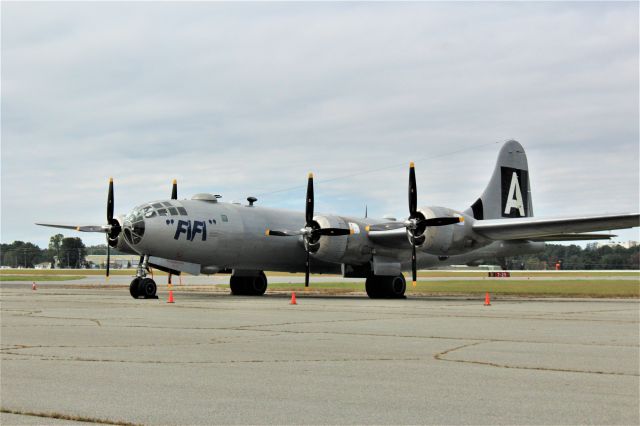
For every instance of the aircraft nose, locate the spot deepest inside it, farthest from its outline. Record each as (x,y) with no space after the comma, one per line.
(134,228)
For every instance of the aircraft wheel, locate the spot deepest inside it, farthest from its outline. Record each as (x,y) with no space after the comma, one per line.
(396,287)
(238,286)
(257,285)
(379,287)
(148,288)
(373,287)
(134,288)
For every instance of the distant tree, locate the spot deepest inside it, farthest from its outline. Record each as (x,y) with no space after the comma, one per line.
(73,253)
(21,254)
(55,243)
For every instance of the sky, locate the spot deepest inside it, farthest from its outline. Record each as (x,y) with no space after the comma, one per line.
(244,99)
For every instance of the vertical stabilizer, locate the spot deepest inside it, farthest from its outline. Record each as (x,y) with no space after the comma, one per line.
(508,193)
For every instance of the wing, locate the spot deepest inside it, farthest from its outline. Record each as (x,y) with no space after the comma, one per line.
(81,228)
(535,228)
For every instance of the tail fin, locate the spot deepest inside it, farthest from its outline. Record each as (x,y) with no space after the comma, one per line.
(508,193)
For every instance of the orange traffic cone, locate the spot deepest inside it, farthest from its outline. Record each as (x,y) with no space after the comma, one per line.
(33,286)
(293,298)
(487,300)
(170,297)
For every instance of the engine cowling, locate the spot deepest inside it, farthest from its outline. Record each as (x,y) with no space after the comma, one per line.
(445,240)
(330,249)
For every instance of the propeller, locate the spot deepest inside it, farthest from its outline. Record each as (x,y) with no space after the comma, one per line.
(416,224)
(112,229)
(311,231)
(174,196)
(174,190)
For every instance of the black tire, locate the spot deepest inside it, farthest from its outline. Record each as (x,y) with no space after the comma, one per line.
(238,286)
(383,287)
(134,288)
(257,285)
(372,286)
(397,287)
(248,286)
(147,288)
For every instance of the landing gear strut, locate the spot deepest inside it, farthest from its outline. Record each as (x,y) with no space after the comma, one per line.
(248,285)
(385,287)
(141,286)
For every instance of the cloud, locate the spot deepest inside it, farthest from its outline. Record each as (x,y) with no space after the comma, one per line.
(244,99)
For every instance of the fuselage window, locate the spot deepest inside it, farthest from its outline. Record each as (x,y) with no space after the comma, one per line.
(224,218)
(173,211)
(162,212)
(182,211)
(157,205)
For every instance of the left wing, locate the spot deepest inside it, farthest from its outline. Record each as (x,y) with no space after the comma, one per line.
(535,228)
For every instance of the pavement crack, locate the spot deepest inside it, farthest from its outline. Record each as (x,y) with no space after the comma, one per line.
(441,356)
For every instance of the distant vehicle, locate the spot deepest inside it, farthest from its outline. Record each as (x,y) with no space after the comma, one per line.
(204,235)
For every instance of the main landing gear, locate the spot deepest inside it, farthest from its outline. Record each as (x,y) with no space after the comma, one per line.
(141,286)
(386,287)
(254,285)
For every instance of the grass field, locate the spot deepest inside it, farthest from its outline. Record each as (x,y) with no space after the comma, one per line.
(39,277)
(569,288)
(586,284)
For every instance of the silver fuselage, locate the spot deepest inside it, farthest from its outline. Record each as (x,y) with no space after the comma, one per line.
(221,236)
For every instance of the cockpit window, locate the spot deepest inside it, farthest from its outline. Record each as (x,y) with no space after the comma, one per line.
(167,204)
(173,211)
(182,211)
(162,212)
(157,205)
(134,223)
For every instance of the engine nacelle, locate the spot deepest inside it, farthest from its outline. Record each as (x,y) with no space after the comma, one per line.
(330,249)
(449,239)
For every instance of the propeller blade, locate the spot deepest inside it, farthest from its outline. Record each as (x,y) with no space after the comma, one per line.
(108,257)
(387,226)
(174,190)
(414,272)
(110,202)
(441,221)
(437,221)
(413,192)
(274,233)
(81,228)
(332,231)
(308,213)
(307,269)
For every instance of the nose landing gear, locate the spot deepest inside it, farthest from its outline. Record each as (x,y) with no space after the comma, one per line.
(141,286)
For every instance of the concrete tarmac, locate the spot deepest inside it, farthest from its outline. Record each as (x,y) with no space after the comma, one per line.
(210,358)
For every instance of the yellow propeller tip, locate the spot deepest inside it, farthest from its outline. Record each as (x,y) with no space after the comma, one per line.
(414,283)
(174,181)
(77,228)
(461,219)
(366,228)
(110,180)
(266,232)
(310,175)
(411,165)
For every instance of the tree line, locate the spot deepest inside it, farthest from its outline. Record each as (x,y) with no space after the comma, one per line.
(62,252)
(70,252)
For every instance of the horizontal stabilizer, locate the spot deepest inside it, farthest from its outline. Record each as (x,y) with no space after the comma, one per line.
(530,227)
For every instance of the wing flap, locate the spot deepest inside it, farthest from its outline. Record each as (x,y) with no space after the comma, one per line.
(531,227)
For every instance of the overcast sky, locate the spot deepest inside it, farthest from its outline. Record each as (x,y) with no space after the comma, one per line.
(246,98)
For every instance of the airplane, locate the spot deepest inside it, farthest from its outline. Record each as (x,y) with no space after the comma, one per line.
(206,236)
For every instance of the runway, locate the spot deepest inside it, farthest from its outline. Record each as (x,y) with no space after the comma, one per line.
(96,353)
